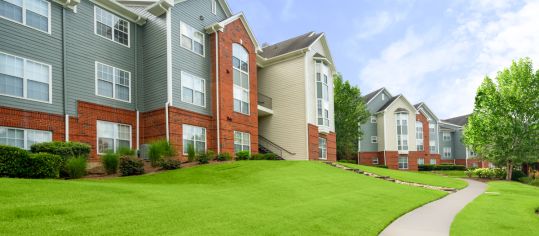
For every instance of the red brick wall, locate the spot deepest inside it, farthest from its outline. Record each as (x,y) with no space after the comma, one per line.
(17,118)
(179,117)
(426,134)
(392,159)
(152,126)
(313,141)
(365,158)
(331,146)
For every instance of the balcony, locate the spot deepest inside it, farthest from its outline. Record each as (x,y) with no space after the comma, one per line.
(265,106)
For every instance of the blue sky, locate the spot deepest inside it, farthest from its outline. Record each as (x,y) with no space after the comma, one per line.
(437,52)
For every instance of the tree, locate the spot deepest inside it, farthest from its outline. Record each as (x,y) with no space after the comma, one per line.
(504,125)
(350,111)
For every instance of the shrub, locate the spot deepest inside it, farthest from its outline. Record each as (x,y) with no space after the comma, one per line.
(489,173)
(13,161)
(159,150)
(517,174)
(352,161)
(76,167)
(225,156)
(63,149)
(131,166)
(43,165)
(211,155)
(535,182)
(243,155)
(469,173)
(381,166)
(441,167)
(110,162)
(170,163)
(203,158)
(125,151)
(191,154)
(525,180)
(272,156)
(258,156)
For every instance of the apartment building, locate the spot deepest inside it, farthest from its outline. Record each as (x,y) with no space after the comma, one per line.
(452,147)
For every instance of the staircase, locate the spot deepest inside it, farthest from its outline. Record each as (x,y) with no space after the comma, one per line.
(267,146)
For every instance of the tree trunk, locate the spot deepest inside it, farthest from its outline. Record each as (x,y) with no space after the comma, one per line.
(509,170)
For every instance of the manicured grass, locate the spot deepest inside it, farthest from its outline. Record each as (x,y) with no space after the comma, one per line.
(411,176)
(448,173)
(237,198)
(507,208)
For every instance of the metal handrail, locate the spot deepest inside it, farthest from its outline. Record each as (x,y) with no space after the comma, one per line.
(265,101)
(260,137)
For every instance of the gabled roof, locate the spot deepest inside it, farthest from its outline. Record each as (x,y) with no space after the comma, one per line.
(290,45)
(424,108)
(367,98)
(219,26)
(392,100)
(389,102)
(154,5)
(459,120)
(122,10)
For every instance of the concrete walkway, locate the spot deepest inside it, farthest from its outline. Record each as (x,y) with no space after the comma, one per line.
(435,218)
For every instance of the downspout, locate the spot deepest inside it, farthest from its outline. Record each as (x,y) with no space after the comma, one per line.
(136,87)
(385,138)
(217,90)
(64,73)
(169,73)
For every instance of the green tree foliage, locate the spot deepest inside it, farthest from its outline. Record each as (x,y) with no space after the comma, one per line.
(350,111)
(504,126)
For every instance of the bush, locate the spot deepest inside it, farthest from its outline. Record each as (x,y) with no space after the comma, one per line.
(203,158)
(170,163)
(191,154)
(159,150)
(125,151)
(258,156)
(76,167)
(351,161)
(13,161)
(18,163)
(131,166)
(225,156)
(44,165)
(517,174)
(211,155)
(490,173)
(469,173)
(381,166)
(243,155)
(535,182)
(441,167)
(110,162)
(66,150)
(525,180)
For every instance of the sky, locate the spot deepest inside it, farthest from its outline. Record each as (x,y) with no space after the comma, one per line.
(437,52)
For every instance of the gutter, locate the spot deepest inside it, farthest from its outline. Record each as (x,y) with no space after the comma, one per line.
(64,73)
(169,73)
(217,91)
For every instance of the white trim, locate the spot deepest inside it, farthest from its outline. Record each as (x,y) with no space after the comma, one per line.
(115,135)
(194,140)
(138,130)
(169,58)
(187,74)
(113,83)
(23,8)
(234,86)
(214,7)
(217,98)
(183,24)
(406,100)
(25,86)
(67,128)
(112,38)
(325,156)
(242,141)
(25,134)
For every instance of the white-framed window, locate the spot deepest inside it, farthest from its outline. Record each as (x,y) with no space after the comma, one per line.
(421,161)
(111,27)
(373,119)
(419,135)
(446,152)
(112,82)
(23,138)
(432,146)
(402,131)
(112,136)
(25,78)
(383,96)
(403,162)
(240,63)
(433,161)
(194,136)
(35,14)
(446,136)
(322,149)
(242,141)
(192,39)
(375,161)
(374,139)
(322,93)
(214,7)
(472,153)
(475,165)
(193,89)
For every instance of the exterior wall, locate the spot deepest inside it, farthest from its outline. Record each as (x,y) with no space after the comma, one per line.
(370,129)
(313,141)
(22,41)
(286,127)
(391,125)
(366,158)
(392,159)
(460,148)
(24,119)
(179,117)
(152,126)
(314,146)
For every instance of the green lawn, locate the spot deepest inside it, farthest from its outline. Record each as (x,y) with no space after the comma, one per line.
(237,198)
(508,208)
(411,176)
(448,173)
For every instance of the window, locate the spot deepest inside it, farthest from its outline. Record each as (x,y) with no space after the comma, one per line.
(419,135)
(191,39)
(474,165)
(110,26)
(194,136)
(193,90)
(403,162)
(322,149)
(242,141)
(446,152)
(112,136)
(402,131)
(472,153)
(433,161)
(23,138)
(432,146)
(383,97)
(112,82)
(240,62)
(373,119)
(375,161)
(322,94)
(214,7)
(421,161)
(32,13)
(446,136)
(433,136)
(23,78)
(374,139)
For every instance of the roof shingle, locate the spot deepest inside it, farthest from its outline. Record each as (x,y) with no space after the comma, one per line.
(459,120)
(290,45)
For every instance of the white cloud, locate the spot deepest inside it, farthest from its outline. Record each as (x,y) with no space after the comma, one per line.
(376,24)
(287,11)
(444,69)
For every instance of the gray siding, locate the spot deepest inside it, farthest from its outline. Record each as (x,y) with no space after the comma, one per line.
(444,144)
(190,13)
(23,41)
(369,129)
(83,49)
(460,148)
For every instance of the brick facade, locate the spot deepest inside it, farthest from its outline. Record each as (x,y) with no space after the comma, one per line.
(313,143)
(17,118)
(179,117)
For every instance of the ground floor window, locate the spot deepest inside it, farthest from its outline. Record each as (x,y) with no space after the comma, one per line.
(112,136)
(23,138)
(433,161)
(403,162)
(375,161)
(194,136)
(474,165)
(242,141)
(421,161)
(322,149)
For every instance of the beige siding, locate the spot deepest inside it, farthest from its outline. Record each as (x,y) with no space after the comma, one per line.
(284,83)
(380,130)
(391,125)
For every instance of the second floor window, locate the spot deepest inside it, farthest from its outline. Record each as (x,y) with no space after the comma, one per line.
(111,27)
(113,82)
(419,135)
(432,146)
(23,78)
(447,152)
(32,13)
(193,90)
(191,39)
(374,139)
(322,94)
(240,63)
(402,131)
(446,136)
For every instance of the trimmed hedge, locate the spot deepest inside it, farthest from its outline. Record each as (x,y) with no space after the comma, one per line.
(63,149)
(13,161)
(18,163)
(266,156)
(243,155)
(224,156)
(170,163)
(131,166)
(441,167)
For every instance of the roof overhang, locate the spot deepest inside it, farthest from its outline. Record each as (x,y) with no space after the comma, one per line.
(449,124)
(404,99)
(263,62)
(378,93)
(71,4)
(427,111)
(160,7)
(220,26)
(224,5)
(118,8)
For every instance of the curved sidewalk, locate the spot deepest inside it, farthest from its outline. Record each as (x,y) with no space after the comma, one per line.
(435,218)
